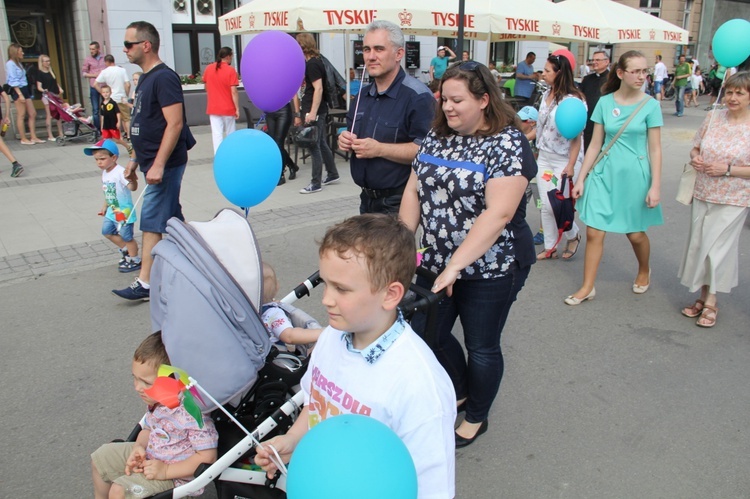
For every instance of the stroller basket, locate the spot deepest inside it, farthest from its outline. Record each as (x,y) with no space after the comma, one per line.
(70,128)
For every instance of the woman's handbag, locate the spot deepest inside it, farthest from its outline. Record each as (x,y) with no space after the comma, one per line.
(605,151)
(305,136)
(687,185)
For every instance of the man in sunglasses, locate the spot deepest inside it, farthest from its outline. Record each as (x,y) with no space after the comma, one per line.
(386,123)
(161,139)
(591,86)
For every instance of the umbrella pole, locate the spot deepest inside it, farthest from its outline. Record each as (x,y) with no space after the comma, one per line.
(346,70)
(461,10)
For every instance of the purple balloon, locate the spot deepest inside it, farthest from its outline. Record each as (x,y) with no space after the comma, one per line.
(272,69)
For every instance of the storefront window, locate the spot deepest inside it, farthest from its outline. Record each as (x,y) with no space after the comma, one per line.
(502,54)
(182,63)
(206,52)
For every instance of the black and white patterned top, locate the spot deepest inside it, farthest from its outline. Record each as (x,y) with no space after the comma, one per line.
(452,175)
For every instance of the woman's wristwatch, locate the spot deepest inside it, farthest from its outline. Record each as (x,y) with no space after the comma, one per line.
(729,170)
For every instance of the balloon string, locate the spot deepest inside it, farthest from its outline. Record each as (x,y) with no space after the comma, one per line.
(132,211)
(247,212)
(275,459)
(716,104)
(359,94)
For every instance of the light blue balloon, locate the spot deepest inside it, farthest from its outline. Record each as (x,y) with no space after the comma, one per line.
(570,118)
(350,456)
(731,43)
(247,167)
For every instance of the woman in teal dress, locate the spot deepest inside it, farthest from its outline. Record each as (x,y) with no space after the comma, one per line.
(621,193)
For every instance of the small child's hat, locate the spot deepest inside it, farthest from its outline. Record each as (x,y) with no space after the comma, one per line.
(106,144)
(528,113)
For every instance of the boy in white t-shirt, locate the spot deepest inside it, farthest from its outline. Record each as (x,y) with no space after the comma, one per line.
(277,322)
(118,203)
(369,361)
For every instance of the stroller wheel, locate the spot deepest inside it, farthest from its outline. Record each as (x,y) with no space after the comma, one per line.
(92,138)
(60,141)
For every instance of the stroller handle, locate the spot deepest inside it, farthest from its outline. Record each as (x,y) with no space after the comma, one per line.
(426,299)
(420,300)
(303,289)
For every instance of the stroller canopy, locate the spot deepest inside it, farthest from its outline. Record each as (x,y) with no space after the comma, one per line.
(206,282)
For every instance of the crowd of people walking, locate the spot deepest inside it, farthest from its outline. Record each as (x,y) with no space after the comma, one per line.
(455,171)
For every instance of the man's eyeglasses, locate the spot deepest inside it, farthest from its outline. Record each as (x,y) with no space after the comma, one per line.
(129,45)
(599,60)
(636,72)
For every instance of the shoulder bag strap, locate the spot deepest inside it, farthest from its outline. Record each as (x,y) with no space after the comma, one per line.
(605,151)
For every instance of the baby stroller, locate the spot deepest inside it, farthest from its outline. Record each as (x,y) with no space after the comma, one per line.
(75,124)
(206,278)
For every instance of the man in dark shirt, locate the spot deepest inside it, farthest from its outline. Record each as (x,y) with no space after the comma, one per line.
(591,86)
(161,140)
(393,115)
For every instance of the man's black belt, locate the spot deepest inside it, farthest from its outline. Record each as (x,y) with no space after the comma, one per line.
(383,193)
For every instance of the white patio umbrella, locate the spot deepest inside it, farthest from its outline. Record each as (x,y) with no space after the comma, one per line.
(486,20)
(618,23)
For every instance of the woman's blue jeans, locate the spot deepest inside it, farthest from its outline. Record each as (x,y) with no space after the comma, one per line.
(321,153)
(483,306)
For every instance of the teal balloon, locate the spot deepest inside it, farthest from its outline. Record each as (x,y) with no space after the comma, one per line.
(731,43)
(247,167)
(570,118)
(351,456)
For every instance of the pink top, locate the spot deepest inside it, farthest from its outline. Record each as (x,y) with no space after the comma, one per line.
(724,143)
(93,65)
(175,436)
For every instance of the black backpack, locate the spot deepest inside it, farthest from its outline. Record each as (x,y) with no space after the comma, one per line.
(334,86)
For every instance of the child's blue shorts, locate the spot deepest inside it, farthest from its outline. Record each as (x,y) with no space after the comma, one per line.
(110,228)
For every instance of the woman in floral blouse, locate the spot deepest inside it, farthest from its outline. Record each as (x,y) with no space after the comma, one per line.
(558,156)
(721,156)
(466,192)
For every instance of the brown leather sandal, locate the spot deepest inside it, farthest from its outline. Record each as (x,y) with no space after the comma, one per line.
(693,310)
(708,316)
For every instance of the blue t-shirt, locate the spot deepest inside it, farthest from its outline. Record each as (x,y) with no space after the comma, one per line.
(157,89)
(440,64)
(524,88)
(452,174)
(401,114)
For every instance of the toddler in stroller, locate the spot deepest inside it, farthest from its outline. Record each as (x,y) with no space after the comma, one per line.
(166,451)
(76,125)
(275,318)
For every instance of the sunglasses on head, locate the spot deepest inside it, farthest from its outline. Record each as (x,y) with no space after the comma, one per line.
(469,66)
(129,45)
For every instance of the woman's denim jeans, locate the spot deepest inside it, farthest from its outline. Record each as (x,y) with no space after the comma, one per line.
(483,306)
(321,153)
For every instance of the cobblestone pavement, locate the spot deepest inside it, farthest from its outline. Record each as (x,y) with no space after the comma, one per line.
(100,252)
